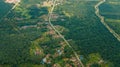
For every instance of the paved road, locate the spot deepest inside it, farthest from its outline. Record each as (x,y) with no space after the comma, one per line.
(77,57)
(97,12)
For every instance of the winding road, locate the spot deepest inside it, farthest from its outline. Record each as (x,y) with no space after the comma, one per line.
(49,17)
(97,12)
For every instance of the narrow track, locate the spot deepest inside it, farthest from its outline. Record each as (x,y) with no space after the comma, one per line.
(97,12)
(16,29)
(49,17)
(9,11)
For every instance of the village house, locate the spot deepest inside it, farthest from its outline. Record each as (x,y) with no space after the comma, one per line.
(37,51)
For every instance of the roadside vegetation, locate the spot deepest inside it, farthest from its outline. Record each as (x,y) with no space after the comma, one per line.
(27,39)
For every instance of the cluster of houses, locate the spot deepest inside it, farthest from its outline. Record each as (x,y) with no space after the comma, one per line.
(50,3)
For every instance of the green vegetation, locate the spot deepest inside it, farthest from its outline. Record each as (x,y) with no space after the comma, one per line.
(112,14)
(88,33)
(4,8)
(27,40)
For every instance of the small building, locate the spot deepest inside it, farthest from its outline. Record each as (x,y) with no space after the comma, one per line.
(37,51)
(59,52)
(44,60)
